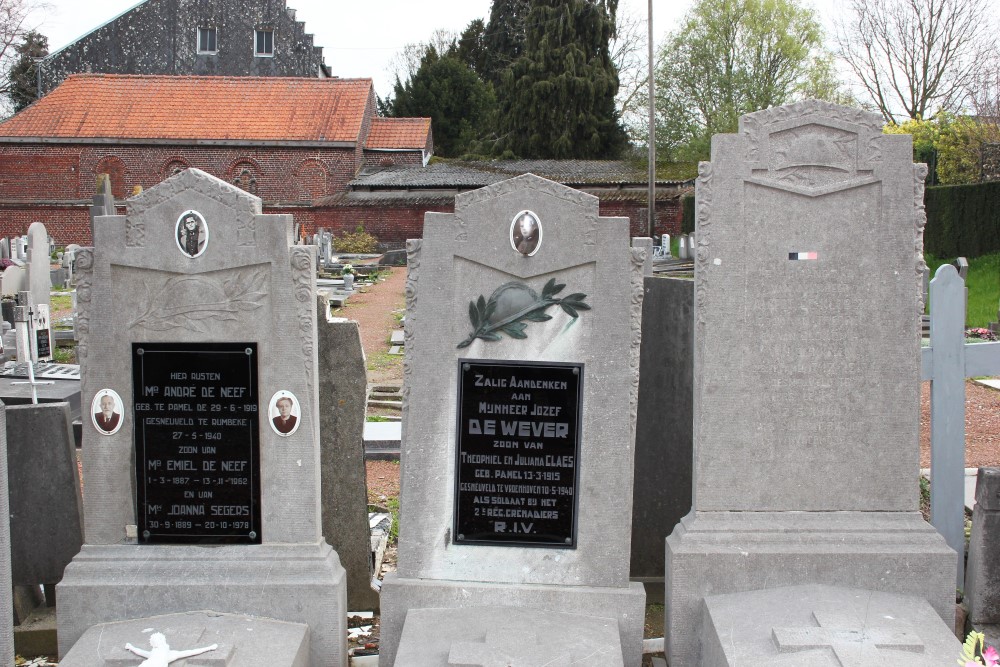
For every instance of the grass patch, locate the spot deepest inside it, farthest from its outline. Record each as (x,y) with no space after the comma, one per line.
(64,355)
(983,283)
(392,504)
(380,361)
(60,302)
(377,418)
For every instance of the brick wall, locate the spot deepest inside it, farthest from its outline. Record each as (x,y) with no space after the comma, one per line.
(668,216)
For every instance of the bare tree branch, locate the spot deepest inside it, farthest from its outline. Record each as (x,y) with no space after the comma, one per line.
(914,58)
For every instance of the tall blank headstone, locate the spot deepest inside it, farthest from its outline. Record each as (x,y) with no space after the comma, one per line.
(521,377)
(39,276)
(806,369)
(343,384)
(197,339)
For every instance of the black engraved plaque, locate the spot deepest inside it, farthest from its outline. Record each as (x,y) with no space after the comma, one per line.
(197,443)
(517,453)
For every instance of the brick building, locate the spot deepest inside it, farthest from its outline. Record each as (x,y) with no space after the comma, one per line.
(183,37)
(310,147)
(290,141)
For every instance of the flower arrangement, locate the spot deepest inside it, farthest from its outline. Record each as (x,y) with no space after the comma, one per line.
(975,652)
(347,269)
(980,332)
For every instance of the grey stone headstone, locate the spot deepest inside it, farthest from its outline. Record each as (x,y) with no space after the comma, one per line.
(393,258)
(12,281)
(476,248)
(4,248)
(46,508)
(21,248)
(343,482)
(663,438)
(242,640)
(806,368)
(139,285)
(982,580)
(6,585)
(39,276)
(824,625)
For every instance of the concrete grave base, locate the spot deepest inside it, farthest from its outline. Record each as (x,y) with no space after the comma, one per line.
(713,553)
(400,595)
(242,640)
(824,625)
(297,583)
(478,636)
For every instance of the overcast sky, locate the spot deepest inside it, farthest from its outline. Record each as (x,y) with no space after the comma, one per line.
(359,38)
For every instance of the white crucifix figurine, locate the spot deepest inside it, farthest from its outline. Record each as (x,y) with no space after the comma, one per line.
(161,654)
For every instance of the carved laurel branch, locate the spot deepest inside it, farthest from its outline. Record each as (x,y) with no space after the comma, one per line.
(919,220)
(412,274)
(242,292)
(638,285)
(84,270)
(302,272)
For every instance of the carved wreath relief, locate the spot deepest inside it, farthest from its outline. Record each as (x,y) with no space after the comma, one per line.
(191,233)
(513,305)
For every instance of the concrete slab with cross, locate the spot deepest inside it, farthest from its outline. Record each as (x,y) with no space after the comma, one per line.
(824,625)
(507,637)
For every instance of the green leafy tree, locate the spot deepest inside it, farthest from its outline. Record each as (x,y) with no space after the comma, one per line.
(558,97)
(458,103)
(23,75)
(504,37)
(729,58)
(950,145)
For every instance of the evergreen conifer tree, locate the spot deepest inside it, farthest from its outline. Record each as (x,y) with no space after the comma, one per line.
(557,100)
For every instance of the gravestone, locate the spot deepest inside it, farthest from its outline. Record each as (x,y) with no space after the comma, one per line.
(521,375)
(46,521)
(343,385)
(12,281)
(5,248)
(663,449)
(208,357)
(806,370)
(6,585)
(39,276)
(21,248)
(982,580)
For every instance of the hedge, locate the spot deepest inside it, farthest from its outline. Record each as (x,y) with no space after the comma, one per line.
(962,220)
(687,214)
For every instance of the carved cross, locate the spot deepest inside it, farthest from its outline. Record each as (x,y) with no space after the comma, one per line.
(851,641)
(506,647)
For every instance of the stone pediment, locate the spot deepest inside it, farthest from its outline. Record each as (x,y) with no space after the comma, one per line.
(193,180)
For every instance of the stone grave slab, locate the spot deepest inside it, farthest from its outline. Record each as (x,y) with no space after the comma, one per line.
(247,641)
(343,384)
(491,636)
(196,318)
(824,625)
(806,369)
(521,377)
(46,521)
(982,578)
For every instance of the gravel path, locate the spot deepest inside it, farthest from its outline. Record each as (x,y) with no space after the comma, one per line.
(373,310)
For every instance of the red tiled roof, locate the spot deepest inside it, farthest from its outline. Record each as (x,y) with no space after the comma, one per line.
(389,133)
(111,106)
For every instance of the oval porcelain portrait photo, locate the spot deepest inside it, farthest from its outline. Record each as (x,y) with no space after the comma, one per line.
(284,413)
(526,233)
(106,411)
(191,233)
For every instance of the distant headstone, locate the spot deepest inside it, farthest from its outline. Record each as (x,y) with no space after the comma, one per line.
(200,375)
(39,262)
(682,247)
(806,370)
(21,248)
(518,415)
(6,585)
(343,482)
(12,281)
(46,508)
(5,248)
(247,641)
(393,258)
